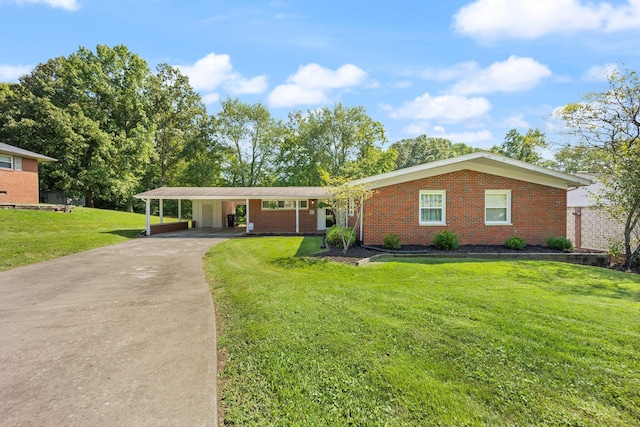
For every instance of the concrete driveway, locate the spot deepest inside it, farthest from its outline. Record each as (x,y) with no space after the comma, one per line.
(121,335)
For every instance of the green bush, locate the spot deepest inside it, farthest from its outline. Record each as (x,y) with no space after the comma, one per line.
(391,241)
(335,233)
(560,243)
(446,241)
(515,243)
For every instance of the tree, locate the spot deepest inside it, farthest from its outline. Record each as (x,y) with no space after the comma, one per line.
(422,149)
(609,122)
(177,112)
(576,158)
(523,147)
(251,137)
(89,111)
(334,142)
(346,201)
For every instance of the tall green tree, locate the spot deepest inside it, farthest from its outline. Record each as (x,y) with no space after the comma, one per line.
(177,114)
(576,158)
(88,110)
(251,137)
(523,147)
(609,122)
(332,142)
(421,149)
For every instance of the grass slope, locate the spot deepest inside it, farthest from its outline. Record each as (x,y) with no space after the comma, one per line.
(422,343)
(34,236)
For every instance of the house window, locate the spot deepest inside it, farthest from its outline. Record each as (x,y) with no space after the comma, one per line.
(283,204)
(432,207)
(6,162)
(497,207)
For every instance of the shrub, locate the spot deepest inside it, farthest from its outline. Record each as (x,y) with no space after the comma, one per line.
(335,233)
(560,243)
(391,241)
(515,243)
(446,241)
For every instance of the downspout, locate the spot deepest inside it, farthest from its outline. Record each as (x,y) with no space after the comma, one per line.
(148,215)
(361,219)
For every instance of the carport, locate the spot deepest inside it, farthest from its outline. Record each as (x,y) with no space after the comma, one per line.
(268,209)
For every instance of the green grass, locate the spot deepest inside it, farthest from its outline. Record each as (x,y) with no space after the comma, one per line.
(34,236)
(422,342)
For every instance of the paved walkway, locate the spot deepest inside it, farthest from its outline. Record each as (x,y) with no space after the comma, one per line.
(121,335)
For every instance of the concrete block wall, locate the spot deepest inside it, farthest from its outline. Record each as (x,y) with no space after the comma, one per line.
(537,211)
(20,186)
(592,228)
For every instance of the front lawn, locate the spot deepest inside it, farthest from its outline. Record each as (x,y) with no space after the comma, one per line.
(436,342)
(34,236)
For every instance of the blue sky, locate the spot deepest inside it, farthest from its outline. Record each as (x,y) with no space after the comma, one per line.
(465,70)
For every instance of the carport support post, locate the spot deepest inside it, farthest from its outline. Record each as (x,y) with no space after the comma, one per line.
(179,210)
(246,217)
(161,203)
(297,217)
(148,214)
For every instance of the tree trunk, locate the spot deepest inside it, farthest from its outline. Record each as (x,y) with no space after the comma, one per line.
(88,200)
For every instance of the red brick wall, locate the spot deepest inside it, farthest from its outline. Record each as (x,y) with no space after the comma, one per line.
(20,186)
(169,227)
(282,221)
(537,211)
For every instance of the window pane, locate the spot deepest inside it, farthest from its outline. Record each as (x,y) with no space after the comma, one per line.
(303,204)
(497,214)
(281,203)
(431,200)
(431,215)
(5,162)
(496,200)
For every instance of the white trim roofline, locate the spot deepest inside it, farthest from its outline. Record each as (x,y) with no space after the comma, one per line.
(479,161)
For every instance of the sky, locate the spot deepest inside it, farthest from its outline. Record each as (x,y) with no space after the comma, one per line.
(466,70)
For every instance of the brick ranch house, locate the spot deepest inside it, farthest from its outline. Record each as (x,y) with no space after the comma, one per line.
(19,175)
(483,197)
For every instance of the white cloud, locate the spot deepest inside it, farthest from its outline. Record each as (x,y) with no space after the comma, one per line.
(288,95)
(10,73)
(70,5)
(600,72)
(449,108)
(211,98)
(531,19)
(516,74)
(423,128)
(216,71)
(516,122)
(312,84)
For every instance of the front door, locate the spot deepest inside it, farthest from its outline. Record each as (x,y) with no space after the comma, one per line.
(322,219)
(207,216)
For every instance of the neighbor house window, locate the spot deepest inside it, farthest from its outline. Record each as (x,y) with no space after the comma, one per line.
(432,207)
(6,162)
(497,206)
(283,204)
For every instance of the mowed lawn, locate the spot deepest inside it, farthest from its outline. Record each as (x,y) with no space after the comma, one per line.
(437,342)
(34,236)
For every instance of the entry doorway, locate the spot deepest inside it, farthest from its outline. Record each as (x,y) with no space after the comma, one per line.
(325,219)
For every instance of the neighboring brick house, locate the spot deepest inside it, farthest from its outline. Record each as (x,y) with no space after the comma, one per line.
(483,197)
(19,174)
(590,226)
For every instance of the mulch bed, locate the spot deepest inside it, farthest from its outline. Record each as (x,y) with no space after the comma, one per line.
(356,253)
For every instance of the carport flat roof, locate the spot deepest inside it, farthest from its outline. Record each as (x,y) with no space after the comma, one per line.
(230,193)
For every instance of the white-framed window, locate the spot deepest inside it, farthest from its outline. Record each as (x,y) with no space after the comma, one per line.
(283,204)
(6,162)
(497,207)
(433,207)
